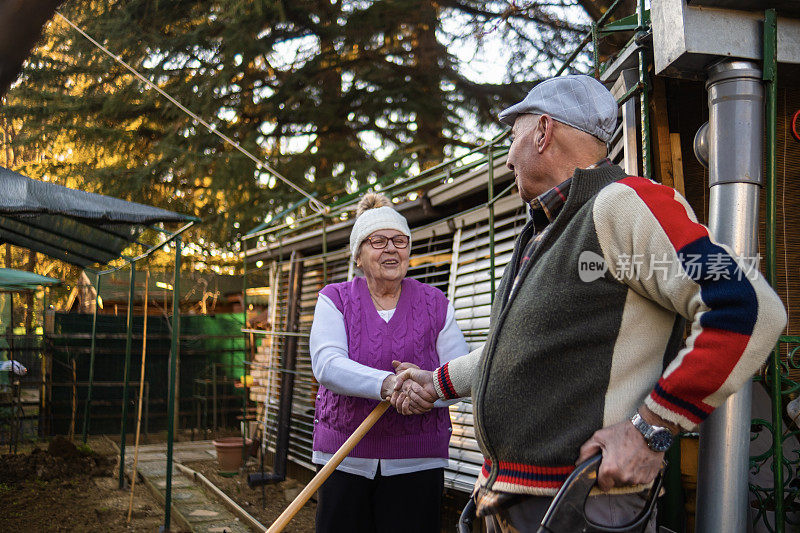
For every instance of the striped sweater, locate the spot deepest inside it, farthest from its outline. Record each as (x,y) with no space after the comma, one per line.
(592,329)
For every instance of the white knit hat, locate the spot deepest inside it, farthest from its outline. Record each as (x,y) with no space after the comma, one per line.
(377,214)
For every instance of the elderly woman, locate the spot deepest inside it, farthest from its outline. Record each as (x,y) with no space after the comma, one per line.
(393,479)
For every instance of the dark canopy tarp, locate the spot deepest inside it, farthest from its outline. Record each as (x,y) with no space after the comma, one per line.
(74,226)
(18,280)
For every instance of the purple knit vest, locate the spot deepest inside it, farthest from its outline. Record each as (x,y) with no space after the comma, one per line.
(410,336)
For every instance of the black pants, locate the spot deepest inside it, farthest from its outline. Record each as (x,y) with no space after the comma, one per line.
(406,503)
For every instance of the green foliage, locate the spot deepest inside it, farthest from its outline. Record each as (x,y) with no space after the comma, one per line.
(332,93)
(85,449)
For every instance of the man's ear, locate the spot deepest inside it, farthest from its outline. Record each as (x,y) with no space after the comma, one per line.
(544,132)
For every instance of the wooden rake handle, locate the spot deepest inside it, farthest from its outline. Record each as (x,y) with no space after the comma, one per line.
(329,467)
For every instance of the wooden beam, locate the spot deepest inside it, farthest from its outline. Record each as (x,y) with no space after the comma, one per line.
(662,144)
(224,498)
(677,162)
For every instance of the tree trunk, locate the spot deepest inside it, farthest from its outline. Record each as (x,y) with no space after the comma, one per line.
(432,112)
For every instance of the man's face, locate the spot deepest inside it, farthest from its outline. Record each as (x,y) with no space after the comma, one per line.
(524,159)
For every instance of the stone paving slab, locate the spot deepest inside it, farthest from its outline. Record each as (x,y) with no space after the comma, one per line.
(148,456)
(189,456)
(177,482)
(155,469)
(202,513)
(180,455)
(184,493)
(178,446)
(201,510)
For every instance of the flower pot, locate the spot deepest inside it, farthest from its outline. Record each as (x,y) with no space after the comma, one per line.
(229,453)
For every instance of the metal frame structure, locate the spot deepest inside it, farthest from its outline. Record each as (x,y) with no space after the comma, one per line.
(34,281)
(173,358)
(66,225)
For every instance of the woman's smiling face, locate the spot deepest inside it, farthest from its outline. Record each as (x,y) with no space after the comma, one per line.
(387,264)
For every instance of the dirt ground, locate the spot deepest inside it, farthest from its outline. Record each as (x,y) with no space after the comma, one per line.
(58,487)
(61,488)
(266,508)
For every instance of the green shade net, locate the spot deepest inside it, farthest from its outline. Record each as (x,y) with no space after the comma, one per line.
(19,280)
(78,227)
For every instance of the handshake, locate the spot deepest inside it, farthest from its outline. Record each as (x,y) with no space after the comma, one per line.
(410,389)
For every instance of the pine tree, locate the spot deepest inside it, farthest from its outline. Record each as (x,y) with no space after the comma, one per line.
(332,93)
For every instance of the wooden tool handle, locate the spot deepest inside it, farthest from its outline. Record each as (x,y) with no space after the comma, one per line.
(328,469)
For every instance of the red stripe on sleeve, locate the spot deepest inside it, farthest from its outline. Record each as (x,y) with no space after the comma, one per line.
(670,213)
(691,415)
(443,377)
(702,371)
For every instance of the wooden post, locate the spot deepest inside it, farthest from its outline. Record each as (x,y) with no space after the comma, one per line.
(74,400)
(677,162)
(288,364)
(141,396)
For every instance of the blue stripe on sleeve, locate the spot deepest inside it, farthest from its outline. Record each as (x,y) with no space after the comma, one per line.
(724,287)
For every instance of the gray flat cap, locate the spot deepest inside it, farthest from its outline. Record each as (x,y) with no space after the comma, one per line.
(576,100)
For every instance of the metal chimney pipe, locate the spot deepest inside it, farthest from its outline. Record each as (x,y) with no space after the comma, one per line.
(735,146)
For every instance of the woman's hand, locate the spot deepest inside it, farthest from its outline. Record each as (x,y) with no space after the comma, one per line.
(387,387)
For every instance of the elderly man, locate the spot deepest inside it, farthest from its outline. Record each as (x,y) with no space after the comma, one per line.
(582,354)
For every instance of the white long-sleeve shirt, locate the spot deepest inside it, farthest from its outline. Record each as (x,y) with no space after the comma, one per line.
(338,373)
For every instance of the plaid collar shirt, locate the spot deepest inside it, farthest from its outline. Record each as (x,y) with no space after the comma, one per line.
(543,210)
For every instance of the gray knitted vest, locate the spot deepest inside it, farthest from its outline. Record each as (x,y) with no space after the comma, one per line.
(544,373)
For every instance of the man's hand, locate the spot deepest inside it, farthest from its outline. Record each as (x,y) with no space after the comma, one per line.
(627,460)
(414,390)
(388,385)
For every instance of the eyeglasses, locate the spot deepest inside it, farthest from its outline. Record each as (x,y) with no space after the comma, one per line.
(379,242)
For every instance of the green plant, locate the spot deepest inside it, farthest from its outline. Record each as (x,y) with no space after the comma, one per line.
(85,449)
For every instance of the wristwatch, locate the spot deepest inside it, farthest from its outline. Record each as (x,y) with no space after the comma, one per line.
(658,438)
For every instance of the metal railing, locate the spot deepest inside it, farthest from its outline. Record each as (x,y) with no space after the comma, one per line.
(775,504)
(777,375)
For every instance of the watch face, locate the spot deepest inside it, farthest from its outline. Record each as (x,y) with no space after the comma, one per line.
(660,440)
